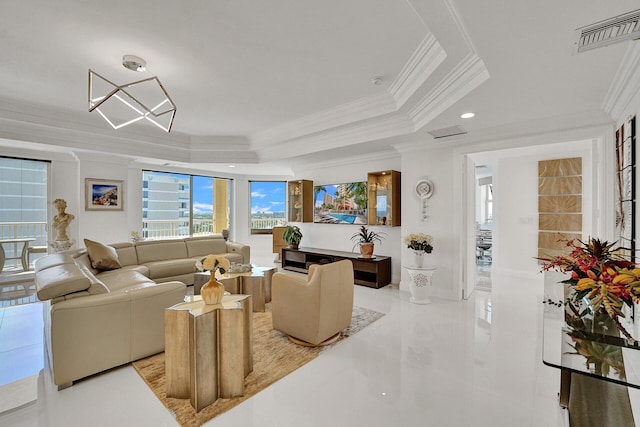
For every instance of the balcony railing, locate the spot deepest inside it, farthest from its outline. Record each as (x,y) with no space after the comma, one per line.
(266,223)
(170,228)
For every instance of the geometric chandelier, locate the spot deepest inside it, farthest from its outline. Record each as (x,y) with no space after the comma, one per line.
(122,105)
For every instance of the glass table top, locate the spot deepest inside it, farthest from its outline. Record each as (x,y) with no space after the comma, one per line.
(590,345)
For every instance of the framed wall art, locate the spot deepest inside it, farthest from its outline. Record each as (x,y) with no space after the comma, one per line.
(340,203)
(626,188)
(103,194)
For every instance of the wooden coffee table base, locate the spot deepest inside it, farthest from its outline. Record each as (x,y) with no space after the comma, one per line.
(208,349)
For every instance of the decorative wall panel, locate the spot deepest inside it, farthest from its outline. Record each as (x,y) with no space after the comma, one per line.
(559,204)
(552,204)
(626,188)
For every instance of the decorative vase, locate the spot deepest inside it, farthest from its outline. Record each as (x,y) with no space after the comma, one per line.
(418,258)
(366,250)
(212,291)
(420,285)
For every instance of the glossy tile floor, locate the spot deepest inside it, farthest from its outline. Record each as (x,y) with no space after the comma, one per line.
(471,363)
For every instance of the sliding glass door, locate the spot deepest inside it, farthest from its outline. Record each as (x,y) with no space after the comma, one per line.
(23,208)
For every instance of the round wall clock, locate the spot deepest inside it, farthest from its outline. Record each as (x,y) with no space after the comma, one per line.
(424,188)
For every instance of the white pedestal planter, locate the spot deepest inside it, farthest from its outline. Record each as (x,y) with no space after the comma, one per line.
(420,284)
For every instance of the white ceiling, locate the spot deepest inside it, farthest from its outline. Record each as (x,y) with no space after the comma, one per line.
(283,81)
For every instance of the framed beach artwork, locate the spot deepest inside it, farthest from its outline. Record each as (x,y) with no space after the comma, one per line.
(103,194)
(626,188)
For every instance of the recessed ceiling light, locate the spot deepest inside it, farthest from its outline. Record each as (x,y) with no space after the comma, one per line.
(232,166)
(467,115)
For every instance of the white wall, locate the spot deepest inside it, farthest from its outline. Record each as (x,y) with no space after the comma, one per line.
(337,236)
(435,164)
(106,226)
(515,236)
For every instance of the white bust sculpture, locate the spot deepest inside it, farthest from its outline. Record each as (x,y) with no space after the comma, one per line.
(61,221)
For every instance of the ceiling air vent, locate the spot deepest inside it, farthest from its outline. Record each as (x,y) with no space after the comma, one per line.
(613,30)
(445,132)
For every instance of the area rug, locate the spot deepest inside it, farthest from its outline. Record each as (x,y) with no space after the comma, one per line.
(274,357)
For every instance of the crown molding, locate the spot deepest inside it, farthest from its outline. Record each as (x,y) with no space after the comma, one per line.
(568,128)
(79,140)
(222,142)
(361,109)
(386,155)
(380,128)
(422,63)
(626,83)
(466,76)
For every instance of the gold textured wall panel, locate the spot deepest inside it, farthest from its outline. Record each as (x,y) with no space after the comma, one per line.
(554,204)
(560,222)
(559,204)
(555,239)
(560,185)
(560,167)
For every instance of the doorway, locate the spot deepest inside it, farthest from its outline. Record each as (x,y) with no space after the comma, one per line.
(483,225)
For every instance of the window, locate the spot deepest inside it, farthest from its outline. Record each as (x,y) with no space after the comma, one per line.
(184,205)
(23,206)
(268,203)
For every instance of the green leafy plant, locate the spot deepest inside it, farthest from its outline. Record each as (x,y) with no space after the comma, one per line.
(364,235)
(292,235)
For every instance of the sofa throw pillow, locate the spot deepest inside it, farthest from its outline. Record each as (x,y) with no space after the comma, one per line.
(102,257)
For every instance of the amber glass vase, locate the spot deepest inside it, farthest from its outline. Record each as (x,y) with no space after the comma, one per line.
(212,291)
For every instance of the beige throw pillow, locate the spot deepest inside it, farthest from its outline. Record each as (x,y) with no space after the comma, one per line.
(102,257)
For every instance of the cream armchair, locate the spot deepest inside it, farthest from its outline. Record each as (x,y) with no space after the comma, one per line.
(313,310)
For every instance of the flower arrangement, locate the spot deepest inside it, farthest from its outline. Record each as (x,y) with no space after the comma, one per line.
(602,282)
(419,242)
(135,237)
(213,263)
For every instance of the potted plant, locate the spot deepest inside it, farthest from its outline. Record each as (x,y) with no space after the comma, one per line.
(366,239)
(292,235)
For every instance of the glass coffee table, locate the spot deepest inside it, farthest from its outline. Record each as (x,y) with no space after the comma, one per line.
(256,283)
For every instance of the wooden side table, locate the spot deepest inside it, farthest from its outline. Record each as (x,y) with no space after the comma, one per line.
(208,349)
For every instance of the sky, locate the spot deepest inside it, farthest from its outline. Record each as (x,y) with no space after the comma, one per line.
(202,194)
(331,190)
(268,196)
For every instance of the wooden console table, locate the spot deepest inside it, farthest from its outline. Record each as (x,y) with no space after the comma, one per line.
(208,349)
(372,272)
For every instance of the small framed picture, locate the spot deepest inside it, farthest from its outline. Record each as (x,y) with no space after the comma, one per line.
(103,194)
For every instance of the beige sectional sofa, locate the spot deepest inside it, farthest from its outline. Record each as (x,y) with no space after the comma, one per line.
(100,318)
